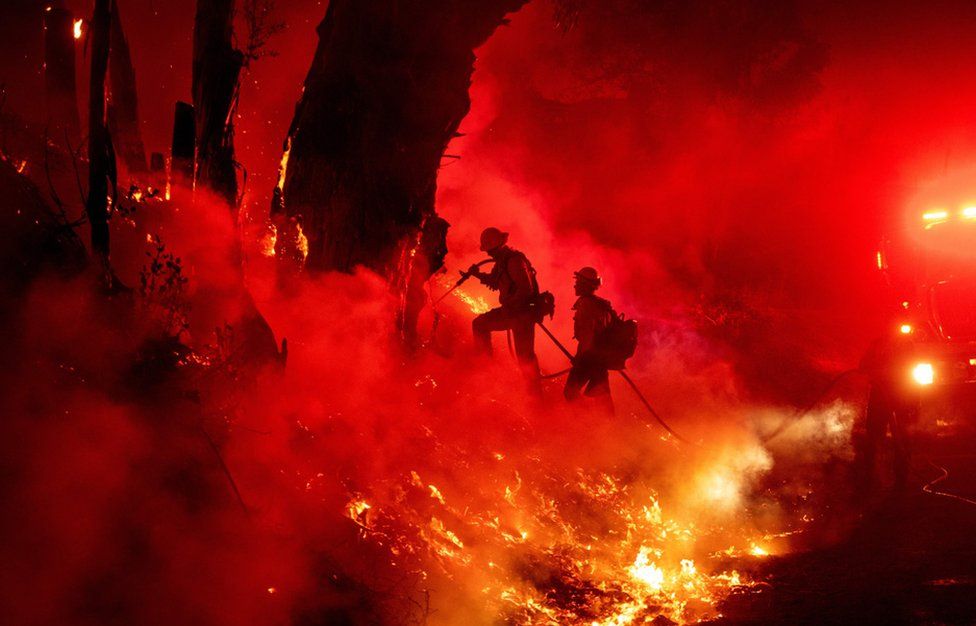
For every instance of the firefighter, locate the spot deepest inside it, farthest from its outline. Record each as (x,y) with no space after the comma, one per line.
(513,277)
(593,314)
(892,406)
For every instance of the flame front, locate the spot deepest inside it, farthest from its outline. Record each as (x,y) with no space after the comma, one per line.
(611,558)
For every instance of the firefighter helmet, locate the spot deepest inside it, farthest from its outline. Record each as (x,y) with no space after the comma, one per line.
(588,275)
(492,238)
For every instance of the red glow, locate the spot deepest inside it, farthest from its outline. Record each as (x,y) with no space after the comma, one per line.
(729,170)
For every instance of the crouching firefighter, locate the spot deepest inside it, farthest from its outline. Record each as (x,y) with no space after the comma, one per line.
(593,316)
(522,306)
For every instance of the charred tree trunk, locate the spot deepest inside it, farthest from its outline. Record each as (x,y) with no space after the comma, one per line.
(101,158)
(217,69)
(216,74)
(183,148)
(60,85)
(386,91)
(123,113)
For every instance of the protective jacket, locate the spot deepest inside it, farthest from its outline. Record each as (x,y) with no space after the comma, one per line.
(513,278)
(592,315)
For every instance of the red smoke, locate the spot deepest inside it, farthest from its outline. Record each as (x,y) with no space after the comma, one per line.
(728,168)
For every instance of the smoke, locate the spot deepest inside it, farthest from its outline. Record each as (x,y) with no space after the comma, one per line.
(728,169)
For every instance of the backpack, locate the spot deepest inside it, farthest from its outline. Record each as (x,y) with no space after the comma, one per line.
(543,302)
(617,341)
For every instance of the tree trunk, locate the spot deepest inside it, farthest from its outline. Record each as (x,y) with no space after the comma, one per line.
(123,113)
(183,149)
(216,73)
(60,85)
(101,158)
(386,91)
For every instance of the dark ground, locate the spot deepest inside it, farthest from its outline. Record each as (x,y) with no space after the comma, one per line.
(910,558)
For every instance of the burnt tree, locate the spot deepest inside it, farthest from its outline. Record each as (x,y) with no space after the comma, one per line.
(123,112)
(183,148)
(60,85)
(101,157)
(217,68)
(386,92)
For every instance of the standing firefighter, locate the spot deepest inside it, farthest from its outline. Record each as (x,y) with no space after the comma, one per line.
(892,406)
(513,277)
(590,374)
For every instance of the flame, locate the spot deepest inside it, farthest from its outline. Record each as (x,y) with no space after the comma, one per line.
(301,242)
(646,572)
(476,304)
(269,240)
(77,28)
(169,178)
(584,575)
(357,510)
(283,168)
(756,550)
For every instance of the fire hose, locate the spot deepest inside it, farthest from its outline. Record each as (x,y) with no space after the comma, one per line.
(627,378)
(790,421)
(928,487)
(460,281)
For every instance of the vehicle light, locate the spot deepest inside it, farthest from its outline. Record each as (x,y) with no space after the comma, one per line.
(906,329)
(932,216)
(969,212)
(924,374)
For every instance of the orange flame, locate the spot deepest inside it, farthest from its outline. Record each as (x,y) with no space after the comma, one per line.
(301,242)
(269,240)
(283,168)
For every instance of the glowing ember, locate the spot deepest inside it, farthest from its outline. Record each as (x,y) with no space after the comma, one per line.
(77,28)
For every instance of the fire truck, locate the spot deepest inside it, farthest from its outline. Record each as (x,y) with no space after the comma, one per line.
(932,269)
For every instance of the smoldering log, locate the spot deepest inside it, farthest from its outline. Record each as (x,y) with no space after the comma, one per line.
(386,92)
(183,148)
(123,112)
(216,74)
(60,85)
(101,165)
